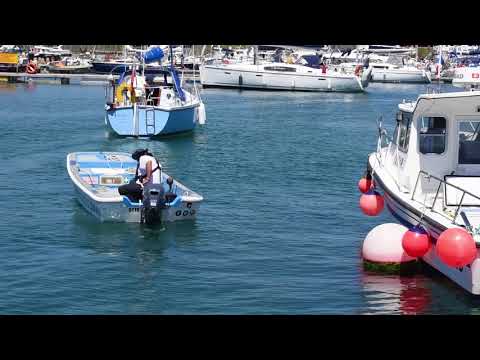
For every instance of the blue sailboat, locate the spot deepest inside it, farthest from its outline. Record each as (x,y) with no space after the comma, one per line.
(135,106)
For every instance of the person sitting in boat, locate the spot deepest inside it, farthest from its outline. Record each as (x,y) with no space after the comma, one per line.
(148,173)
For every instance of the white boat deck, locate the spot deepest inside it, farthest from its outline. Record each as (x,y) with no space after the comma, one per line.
(100,174)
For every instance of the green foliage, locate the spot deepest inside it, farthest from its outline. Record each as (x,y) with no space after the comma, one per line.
(425,52)
(407,268)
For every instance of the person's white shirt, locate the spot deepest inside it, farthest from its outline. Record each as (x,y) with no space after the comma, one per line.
(142,169)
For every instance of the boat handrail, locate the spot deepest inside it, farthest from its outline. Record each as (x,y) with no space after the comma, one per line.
(442,182)
(384,140)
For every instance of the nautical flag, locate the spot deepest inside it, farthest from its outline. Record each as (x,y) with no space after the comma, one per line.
(133,75)
(439,64)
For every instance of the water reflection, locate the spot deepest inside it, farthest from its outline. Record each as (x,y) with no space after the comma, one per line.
(7,87)
(394,294)
(145,243)
(30,86)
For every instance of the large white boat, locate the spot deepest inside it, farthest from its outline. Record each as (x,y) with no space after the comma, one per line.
(466,76)
(396,73)
(281,76)
(96,177)
(429,173)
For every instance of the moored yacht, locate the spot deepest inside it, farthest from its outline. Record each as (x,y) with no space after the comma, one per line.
(136,106)
(429,173)
(385,72)
(282,76)
(466,76)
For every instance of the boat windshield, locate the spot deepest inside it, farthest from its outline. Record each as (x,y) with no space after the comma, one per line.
(401,135)
(469,142)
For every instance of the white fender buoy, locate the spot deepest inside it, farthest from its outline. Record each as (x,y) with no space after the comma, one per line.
(202,116)
(383,247)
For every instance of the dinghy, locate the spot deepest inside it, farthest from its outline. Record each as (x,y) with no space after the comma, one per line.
(96,177)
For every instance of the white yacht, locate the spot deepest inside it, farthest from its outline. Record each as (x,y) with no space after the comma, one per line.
(400,73)
(466,76)
(429,173)
(282,76)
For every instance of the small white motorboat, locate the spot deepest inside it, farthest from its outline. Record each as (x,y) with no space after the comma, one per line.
(96,177)
(429,173)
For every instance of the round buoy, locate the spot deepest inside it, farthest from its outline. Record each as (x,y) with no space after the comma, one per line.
(365,184)
(416,241)
(31,68)
(371,203)
(456,247)
(382,248)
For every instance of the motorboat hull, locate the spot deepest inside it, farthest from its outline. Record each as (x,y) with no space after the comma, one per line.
(104,202)
(400,76)
(119,212)
(119,68)
(69,69)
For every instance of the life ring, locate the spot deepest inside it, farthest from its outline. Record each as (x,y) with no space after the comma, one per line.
(119,92)
(358,69)
(31,68)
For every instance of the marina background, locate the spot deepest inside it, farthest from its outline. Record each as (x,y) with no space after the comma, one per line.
(280,230)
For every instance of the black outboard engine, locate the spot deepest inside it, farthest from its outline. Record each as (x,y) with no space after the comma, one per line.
(153,203)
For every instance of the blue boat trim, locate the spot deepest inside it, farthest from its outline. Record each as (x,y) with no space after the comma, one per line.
(130,204)
(106,164)
(176,202)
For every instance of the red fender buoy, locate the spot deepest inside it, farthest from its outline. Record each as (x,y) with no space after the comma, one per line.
(364,185)
(31,68)
(416,241)
(371,203)
(456,247)
(358,68)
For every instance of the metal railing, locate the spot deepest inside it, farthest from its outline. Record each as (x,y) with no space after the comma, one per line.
(147,100)
(428,177)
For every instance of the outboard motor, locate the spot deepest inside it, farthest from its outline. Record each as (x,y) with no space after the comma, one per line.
(153,203)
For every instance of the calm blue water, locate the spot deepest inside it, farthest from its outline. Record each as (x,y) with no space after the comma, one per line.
(279,231)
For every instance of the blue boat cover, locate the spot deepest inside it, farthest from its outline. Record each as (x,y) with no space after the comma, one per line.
(176,82)
(312,61)
(152,55)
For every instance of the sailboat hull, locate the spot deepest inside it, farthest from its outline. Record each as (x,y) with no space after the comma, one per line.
(151,121)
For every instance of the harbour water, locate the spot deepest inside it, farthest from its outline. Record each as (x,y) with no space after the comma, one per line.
(279,232)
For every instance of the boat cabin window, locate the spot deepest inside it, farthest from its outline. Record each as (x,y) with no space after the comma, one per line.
(280,68)
(469,142)
(402,131)
(432,135)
